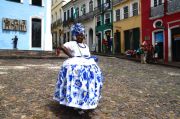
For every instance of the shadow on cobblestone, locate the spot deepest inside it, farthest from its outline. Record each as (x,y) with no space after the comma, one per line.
(64,112)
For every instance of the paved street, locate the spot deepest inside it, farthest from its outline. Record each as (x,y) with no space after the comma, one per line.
(131,90)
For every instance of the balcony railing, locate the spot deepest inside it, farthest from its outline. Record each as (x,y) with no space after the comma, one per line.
(59,22)
(157,11)
(116,2)
(85,17)
(53,25)
(56,24)
(102,8)
(173,6)
(97,10)
(68,21)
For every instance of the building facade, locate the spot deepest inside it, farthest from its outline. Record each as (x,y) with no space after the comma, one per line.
(68,20)
(29,20)
(84,13)
(103,22)
(126,25)
(161,25)
(57,22)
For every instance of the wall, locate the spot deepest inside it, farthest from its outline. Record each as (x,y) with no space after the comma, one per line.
(24,11)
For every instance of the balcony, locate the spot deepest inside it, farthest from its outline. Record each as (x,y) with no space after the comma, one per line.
(116,2)
(68,22)
(102,8)
(97,10)
(157,11)
(53,25)
(59,22)
(85,17)
(173,6)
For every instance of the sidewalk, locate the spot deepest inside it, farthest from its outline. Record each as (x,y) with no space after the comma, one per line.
(26,54)
(169,64)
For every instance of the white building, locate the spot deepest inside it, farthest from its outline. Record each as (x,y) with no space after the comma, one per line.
(80,11)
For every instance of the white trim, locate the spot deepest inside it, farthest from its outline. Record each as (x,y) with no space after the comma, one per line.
(42,33)
(153,40)
(170,42)
(170,38)
(154,23)
(21,1)
(107,30)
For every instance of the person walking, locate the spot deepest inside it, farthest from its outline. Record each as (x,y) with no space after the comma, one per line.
(80,79)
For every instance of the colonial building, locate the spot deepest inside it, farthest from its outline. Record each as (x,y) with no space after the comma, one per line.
(126,25)
(29,20)
(68,20)
(84,13)
(103,19)
(57,22)
(161,24)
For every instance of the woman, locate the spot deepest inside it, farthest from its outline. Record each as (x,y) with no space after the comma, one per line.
(80,80)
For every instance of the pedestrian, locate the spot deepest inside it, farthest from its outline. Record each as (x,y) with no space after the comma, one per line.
(144,47)
(109,44)
(15,40)
(80,79)
(156,52)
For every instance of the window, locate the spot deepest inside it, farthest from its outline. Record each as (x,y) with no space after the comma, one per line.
(77,12)
(98,20)
(91,6)
(72,12)
(157,2)
(118,15)
(37,2)
(56,16)
(107,4)
(68,14)
(64,16)
(15,0)
(135,9)
(107,18)
(83,9)
(126,14)
(60,14)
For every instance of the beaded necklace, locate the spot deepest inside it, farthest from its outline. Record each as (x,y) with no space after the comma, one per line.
(81,46)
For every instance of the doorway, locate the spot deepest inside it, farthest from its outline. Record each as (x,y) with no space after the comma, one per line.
(175,35)
(159,39)
(117,40)
(36,33)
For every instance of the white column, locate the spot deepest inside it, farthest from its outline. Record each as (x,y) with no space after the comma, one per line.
(48,35)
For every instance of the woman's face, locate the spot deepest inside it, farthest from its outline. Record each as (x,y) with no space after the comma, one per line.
(80,38)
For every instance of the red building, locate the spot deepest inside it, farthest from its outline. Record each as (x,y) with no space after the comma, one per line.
(161,25)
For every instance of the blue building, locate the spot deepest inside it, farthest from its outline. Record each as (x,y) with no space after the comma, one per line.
(29,20)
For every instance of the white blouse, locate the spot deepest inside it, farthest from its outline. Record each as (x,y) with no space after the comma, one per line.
(77,49)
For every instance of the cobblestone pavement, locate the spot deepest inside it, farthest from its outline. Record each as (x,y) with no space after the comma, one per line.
(131,91)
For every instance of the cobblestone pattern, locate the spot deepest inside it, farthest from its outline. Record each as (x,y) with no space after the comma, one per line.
(131,91)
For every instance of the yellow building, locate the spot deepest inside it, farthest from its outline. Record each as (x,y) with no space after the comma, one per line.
(57,22)
(126,25)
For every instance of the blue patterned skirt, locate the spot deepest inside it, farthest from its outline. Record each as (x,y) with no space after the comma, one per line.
(79,83)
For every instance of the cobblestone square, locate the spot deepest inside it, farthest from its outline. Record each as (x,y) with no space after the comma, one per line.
(131,90)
